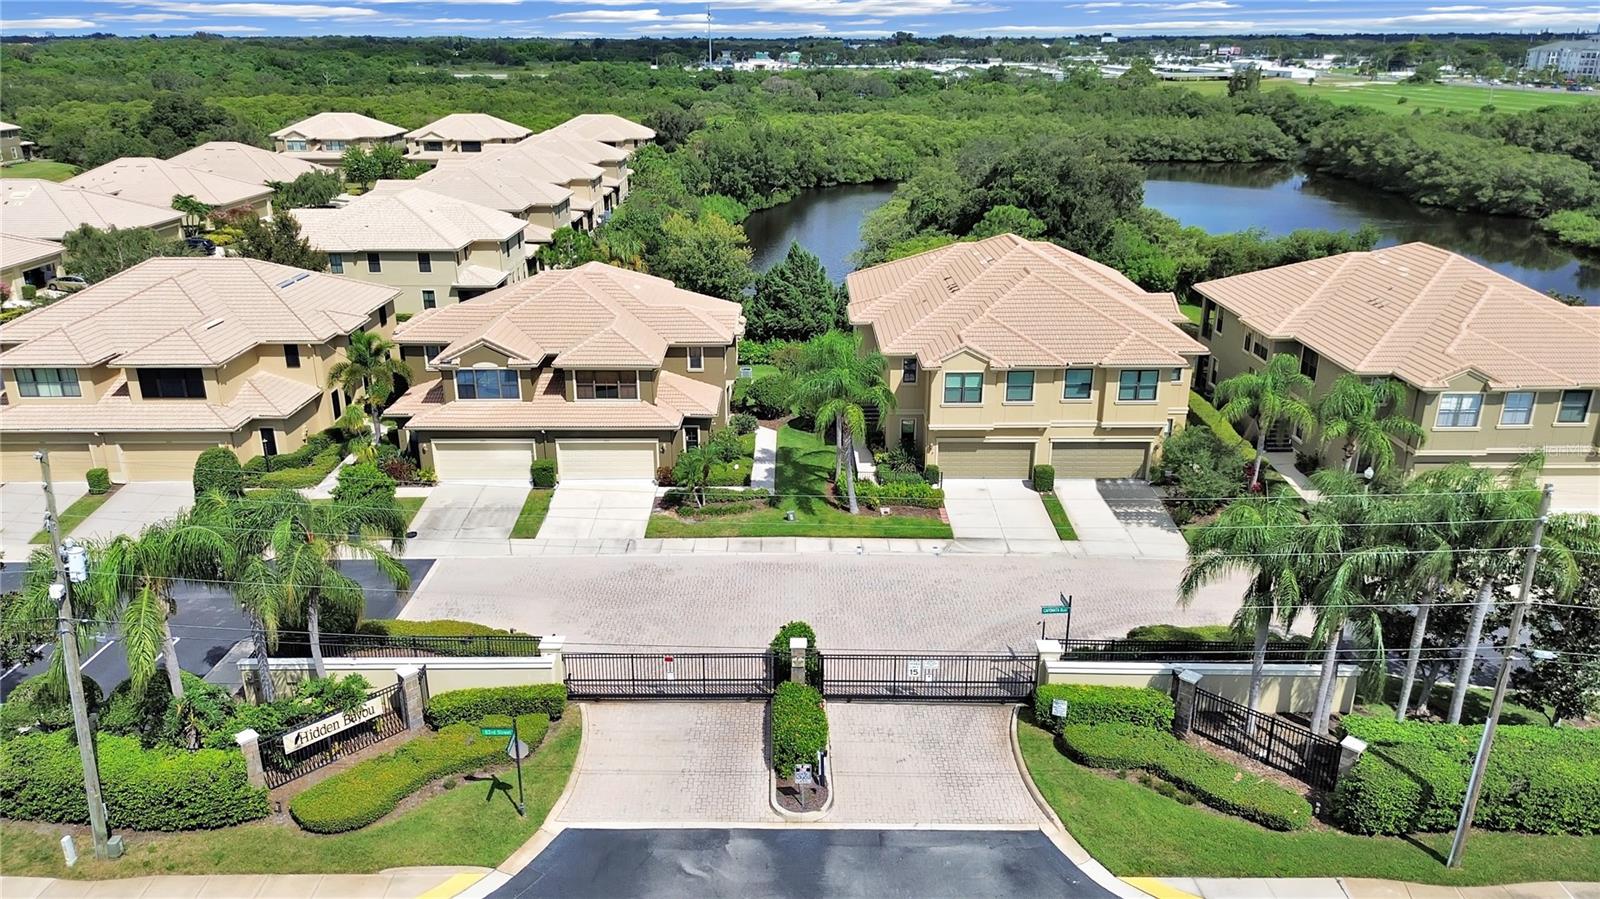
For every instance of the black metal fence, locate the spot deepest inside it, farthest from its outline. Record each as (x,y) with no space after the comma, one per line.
(665,675)
(284,764)
(976,677)
(347,645)
(1177,651)
(1274,742)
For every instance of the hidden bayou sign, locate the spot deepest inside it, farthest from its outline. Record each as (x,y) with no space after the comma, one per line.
(327,727)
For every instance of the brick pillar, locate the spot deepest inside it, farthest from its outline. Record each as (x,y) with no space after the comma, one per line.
(1350,750)
(1186,681)
(797,659)
(411,706)
(250,744)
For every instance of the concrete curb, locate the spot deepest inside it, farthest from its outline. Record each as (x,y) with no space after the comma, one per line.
(800,817)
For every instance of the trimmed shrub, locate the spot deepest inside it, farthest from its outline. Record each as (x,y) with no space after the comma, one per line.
(758,352)
(1205,632)
(780,647)
(743,423)
(29,706)
(41,779)
(99,480)
(767,396)
(372,788)
(913,493)
(217,468)
(456,706)
(931,474)
(543,473)
(1044,478)
(1201,408)
(799,727)
(1095,704)
(1215,782)
(295,477)
(390,627)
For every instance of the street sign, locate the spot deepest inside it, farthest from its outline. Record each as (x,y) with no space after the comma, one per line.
(516,749)
(802,776)
(496,731)
(1055,610)
(1058,708)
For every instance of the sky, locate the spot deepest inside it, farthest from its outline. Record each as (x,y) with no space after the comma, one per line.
(785,18)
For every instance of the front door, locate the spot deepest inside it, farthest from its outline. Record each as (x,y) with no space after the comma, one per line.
(269,442)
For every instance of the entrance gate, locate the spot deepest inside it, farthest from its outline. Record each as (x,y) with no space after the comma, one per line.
(927,676)
(657,675)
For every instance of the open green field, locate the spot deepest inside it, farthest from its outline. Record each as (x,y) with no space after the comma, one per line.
(39,168)
(1386,96)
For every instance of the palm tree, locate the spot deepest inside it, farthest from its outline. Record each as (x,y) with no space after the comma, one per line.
(693,471)
(1273,395)
(194,212)
(35,605)
(1256,535)
(370,369)
(1351,411)
(837,381)
(301,580)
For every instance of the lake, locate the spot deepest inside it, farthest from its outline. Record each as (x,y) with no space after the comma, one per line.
(825,220)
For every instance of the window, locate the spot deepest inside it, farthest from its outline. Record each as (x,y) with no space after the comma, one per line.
(295,146)
(269,443)
(1517,410)
(691,436)
(1260,349)
(1079,382)
(433,146)
(1019,386)
(472,146)
(697,358)
(608,385)
(428,301)
(336,263)
(1459,410)
(1308,362)
(333,145)
(291,355)
(1137,386)
(172,384)
(1574,406)
(1247,341)
(1220,317)
(383,315)
(48,382)
(1176,376)
(424,262)
(908,432)
(963,387)
(487,384)
(338,403)
(431,351)
(374,264)
(908,370)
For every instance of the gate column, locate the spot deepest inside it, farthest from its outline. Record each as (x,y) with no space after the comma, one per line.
(1183,687)
(250,744)
(411,706)
(797,659)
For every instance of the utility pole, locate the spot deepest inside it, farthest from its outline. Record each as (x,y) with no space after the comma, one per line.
(61,591)
(1479,764)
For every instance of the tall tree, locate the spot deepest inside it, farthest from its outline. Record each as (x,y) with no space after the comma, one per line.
(1563,675)
(1276,394)
(838,380)
(307,190)
(97,255)
(369,370)
(1352,411)
(279,241)
(194,212)
(706,254)
(794,300)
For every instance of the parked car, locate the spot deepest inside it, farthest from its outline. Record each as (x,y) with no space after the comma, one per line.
(200,243)
(67,283)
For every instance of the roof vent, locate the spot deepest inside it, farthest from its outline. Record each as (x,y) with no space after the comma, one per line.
(950,284)
(211,324)
(295,280)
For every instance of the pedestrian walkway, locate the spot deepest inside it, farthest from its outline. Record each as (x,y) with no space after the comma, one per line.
(764,468)
(1283,463)
(395,883)
(1347,888)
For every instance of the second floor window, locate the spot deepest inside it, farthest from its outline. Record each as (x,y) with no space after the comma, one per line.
(374,264)
(291,355)
(172,384)
(424,262)
(608,385)
(697,358)
(428,301)
(963,387)
(48,382)
(1079,382)
(908,370)
(1308,362)
(1574,406)
(1517,409)
(1019,386)
(1459,410)
(472,146)
(487,384)
(1137,385)
(295,146)
(336,263)
(333,145)
(433,146)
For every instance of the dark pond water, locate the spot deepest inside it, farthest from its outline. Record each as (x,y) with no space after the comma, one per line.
(1279,199)
(826,221)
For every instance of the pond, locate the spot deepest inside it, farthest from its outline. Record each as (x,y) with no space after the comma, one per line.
(1279,199)
(825,220)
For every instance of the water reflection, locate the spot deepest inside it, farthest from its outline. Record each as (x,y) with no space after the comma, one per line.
(825,221)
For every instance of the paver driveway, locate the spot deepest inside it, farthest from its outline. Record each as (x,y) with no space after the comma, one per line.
(22,513)
(902,764)
(987,510)
(135,506)
(647,762)
(1121,518)
(582,510)
(456,512)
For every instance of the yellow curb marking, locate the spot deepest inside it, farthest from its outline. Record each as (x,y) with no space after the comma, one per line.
(454,886)
(1157,888)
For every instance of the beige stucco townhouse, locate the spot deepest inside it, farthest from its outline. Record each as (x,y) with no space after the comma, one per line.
(1492,368)
(610,129)
(613,161)
(609,372)
(142,372)
(461,133)
(242,162)
(27,261)
(1006,353)
(524,160)
(158,181)
(542,205)
(324,137)
(33,207)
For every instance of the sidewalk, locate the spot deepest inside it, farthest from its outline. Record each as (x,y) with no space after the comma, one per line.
(764,467)
(1347,888)
(396,883)
(652,546)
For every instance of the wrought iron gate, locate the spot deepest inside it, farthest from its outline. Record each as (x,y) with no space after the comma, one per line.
(1277,743)
(927,676)
(660,675)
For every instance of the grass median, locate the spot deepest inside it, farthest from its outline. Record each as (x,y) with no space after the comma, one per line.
(534,509)
(74,515)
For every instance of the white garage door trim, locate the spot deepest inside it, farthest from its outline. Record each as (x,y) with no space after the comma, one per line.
(592,460)
(1100,462)
(948,450)
(466,461)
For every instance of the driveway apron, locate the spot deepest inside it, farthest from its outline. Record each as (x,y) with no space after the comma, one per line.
(582,510)
(986,511)
(136,506)
(22,512)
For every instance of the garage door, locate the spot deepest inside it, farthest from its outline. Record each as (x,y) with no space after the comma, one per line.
(589,460)
(1098,460)
(67,460)
(482,460)
(981,459)
(161,461)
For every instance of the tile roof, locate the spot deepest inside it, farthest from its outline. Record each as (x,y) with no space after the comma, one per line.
(592,316)
(17,250)
(691,397)
(243,162)
(480,276)
(400,216)
(36,208)
(470,126)
(191,311)
(605,127)
(509,192)
(1019,304)
(575,146)
(527,160)
(261,396)
(340,126)
(549,409)
(157,181)
(1421,314)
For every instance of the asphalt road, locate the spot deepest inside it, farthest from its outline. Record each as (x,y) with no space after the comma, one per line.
(208,623)
(794,863)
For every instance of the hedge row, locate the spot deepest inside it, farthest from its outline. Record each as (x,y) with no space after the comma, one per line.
(457,706)
(41,779)
(799,727)
(1201,408)
(1414,775)
(1093,704)
(917,494)
(1215,782)
(371,789)
(439,627)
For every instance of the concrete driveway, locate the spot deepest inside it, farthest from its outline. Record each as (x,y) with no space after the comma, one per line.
(22,513)
(997,511)
(1120,518)
(455,512)
(582,510)
(134,507)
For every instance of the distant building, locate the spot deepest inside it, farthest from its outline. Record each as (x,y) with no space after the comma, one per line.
(12,146)
(1108,39)
(1571,59)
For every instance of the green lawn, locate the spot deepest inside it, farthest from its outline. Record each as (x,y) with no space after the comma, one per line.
(410,506)
(532,514)
(39,168)
(1385,96)
(737,473)
(1191,311)
(1136,832)
(473,824)
(804,465)
(73,515)
(1058,517)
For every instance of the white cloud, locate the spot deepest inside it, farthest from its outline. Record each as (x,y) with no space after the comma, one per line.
(1202,4)
(265,10)
(145,17)
(757,27)
(226,29)
(866,21)
(46,24)
(821,7)
(1453,8)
